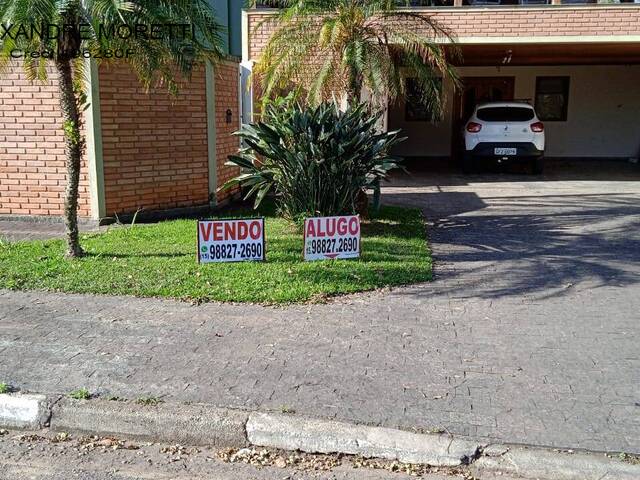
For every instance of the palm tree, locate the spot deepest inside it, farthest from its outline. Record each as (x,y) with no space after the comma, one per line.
(66,32)
(329,48)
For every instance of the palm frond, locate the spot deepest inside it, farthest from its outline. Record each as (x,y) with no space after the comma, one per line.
(161,59)
(334,47)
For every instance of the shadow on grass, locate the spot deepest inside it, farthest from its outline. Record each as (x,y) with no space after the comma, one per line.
(108,255)
(285,240)
(160,260)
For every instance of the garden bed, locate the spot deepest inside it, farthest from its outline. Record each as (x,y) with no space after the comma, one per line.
(159,260)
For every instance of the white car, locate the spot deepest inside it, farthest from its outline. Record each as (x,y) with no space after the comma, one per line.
(504,132)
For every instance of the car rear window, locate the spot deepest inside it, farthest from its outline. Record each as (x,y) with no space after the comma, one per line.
(505,114)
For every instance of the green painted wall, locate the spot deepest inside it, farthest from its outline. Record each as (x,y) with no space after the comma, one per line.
(229,15)
(235,23)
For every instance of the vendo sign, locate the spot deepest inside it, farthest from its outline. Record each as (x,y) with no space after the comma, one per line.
(332,237)
(231,240)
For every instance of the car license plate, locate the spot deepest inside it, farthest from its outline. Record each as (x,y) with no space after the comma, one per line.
(505,151)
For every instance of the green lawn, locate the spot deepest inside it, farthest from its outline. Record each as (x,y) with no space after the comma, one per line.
(159,260)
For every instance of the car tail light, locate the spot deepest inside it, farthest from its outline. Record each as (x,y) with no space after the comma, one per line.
(537,127)
(473,127)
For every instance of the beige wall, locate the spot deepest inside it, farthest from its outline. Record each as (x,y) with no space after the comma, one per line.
(603,116)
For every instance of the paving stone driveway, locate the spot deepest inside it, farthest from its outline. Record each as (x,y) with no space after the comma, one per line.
(505,235)
(529,334)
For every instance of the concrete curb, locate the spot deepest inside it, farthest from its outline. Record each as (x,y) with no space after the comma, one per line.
(192,424)
(205,425)
(323,436)
(24,411)
(539,463)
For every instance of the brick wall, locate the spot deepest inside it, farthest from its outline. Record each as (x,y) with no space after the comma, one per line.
(154,145)
(564,21)
(226,77)
(597,20)
(32,160)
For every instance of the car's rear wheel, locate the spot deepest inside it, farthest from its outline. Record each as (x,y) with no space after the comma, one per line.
(537,166)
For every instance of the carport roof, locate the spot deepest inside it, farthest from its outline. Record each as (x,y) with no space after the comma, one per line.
(613,53)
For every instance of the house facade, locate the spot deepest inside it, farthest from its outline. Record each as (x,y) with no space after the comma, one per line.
(578,63)
(146,150)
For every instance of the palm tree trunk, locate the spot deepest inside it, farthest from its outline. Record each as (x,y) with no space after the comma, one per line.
(354,94)
(73,152)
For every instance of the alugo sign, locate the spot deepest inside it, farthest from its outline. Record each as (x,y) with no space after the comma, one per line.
(231,240)
(331,237)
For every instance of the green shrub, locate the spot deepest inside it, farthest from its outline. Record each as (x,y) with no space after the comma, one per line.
(317,161)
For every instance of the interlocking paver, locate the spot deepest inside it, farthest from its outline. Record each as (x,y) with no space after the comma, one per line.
(529,333)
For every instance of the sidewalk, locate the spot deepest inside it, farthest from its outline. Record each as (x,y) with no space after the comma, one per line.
(16,230)
(506,370)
